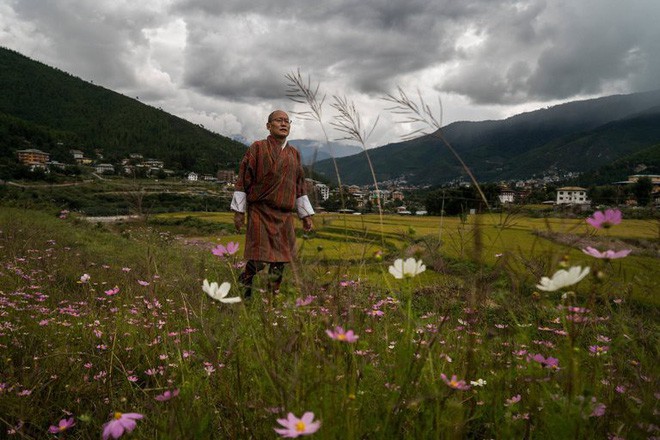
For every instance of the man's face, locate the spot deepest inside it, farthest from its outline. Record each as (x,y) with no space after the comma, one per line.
(279,125)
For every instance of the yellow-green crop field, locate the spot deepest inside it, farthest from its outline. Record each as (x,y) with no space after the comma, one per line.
(350,243)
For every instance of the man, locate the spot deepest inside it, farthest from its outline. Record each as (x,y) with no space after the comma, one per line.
(270,187)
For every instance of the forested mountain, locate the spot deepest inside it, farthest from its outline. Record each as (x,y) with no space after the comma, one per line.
(579,136)
(45,108)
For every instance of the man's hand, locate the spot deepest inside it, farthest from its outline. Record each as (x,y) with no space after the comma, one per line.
(308,224)
(239,220)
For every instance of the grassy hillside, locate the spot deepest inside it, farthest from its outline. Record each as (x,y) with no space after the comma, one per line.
(41,106)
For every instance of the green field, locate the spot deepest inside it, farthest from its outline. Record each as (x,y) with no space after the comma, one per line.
(104,319)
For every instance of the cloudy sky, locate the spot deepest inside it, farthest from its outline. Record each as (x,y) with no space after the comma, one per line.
(222,63)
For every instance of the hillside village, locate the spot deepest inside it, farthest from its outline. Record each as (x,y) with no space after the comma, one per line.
(395,196)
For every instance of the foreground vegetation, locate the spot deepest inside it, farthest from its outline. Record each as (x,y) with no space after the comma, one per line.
(99,320)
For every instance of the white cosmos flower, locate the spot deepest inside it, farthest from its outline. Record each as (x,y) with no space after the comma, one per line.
(478,383)
(409,268)
(563,278)
(219,293)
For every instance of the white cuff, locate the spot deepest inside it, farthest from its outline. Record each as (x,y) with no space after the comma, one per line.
(304,207)
(238,201)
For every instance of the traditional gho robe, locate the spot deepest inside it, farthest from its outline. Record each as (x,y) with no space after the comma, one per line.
(271,188)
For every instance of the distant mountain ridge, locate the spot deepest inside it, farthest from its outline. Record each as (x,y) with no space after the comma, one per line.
(578,136)
(309,148)
(45,108)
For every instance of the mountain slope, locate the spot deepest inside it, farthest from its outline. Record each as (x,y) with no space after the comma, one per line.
(88,117)
(567,134)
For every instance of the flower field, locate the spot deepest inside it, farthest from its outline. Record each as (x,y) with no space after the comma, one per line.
(410,328)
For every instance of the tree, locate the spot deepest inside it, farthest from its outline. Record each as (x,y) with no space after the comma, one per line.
(642,190)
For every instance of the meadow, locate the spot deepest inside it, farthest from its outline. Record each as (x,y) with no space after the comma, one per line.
(106,328)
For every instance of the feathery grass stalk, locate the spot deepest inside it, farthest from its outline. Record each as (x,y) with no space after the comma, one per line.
(303,92)
(422,113)
(349,122)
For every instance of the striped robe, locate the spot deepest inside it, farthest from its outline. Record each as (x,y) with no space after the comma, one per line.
(272,179)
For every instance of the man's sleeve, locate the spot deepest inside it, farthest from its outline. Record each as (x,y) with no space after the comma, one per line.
(238,201)
(243,182)
(304,207)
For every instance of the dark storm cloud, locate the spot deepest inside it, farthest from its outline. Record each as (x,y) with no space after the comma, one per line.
(220,62)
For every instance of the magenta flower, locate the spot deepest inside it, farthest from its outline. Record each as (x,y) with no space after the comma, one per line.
(455,383)
(604,220)
(120,423)
(340,335)
(294,426)
(167,395)
(301,302)
(599,349)
(607,255)
(598,410)
(113,291)
(549,362)
(62,426)
(221,251)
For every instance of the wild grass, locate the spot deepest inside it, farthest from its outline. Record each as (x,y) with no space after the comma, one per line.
(68,349)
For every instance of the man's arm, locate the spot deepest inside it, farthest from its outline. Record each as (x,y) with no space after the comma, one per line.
(305,212)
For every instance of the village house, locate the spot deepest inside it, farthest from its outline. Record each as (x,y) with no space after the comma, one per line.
(77,155)
(192,176)
(323,190)
(226,176)
(153,163)
(32,156)
(506,195)
(35,159)
(104,168)
(572,195)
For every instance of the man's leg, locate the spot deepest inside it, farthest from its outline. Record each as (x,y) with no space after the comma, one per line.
(275,274)
(251,269)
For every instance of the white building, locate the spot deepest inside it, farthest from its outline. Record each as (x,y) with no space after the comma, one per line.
(572,195)
(193,177)
(104,168)
(506,196)
(324,190)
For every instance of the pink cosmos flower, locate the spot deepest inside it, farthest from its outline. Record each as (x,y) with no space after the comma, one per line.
(167,395)
(607,255)
(599,349)
(605,219)
(598,410)
(340,335)
(513,400)
(301,302)
(62,426)
(143,283)
(84,278)
(113,291)
(455,383)
(295,427)
(221,251)
(549,362)
(120,423)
